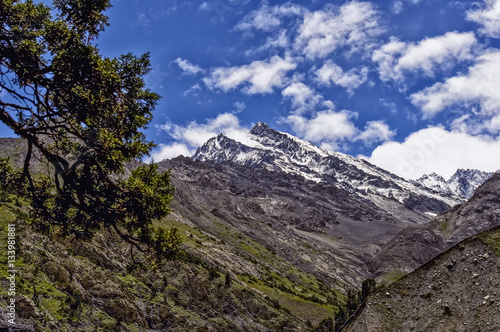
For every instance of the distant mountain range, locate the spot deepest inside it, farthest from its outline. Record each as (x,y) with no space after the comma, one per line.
(461,184)
(279,151)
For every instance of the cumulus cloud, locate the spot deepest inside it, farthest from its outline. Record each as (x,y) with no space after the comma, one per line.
(191,136)
(301,96)
(353,25)
(397,58)
(257,77)
(479,86)
(281,40)
(375,132)
(239,106)
(397,7)
(187,67)
(488,16)
(267,18)
(326,126)
(331,129)
(332,73)
(493,125)
(169,151)
(435,149)
(195,134)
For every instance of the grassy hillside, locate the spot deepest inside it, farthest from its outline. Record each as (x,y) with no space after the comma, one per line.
(103,285)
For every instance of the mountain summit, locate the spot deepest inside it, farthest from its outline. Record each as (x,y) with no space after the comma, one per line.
(462,183)
(277,151)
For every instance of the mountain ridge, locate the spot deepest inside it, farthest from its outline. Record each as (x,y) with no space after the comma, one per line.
(462,183)
(275,150)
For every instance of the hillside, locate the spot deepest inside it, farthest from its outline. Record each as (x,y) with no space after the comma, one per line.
(416,245)
(456,291)
(70,285)
(267,246)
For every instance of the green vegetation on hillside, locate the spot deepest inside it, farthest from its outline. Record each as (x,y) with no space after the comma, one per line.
(83,114)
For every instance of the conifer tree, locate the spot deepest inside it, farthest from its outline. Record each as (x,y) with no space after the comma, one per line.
(83,113)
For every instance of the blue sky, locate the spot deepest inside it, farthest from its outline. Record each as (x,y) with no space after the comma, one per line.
(411,85)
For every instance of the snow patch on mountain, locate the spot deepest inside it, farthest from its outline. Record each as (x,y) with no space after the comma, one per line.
(279,151)
(462,183)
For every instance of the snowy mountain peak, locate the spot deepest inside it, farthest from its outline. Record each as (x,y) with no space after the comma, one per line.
(258,128)
(277,151)
(462,183)
(465,181)
(435,182)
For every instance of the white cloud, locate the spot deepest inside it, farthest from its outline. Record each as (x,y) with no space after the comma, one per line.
(205,6)
(376,131)
(435,149)
(142,20)
(331,129)
(324,127)
(187,67)
(169,151)
(301,96)
(396,58)
(331,73)
(477,124)
(267,18)
(488,16)
(493,125)
(258,76)
(188,138)
(397,7)
(279,41)
(353,25)
(480,85)
(239,106)
(194,90)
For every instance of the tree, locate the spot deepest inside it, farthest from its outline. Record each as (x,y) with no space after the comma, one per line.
(367,287)
(83,113)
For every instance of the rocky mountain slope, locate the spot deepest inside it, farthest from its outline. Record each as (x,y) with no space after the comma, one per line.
(297,241)
(288,222)
(292,226)
(457,291)
(415,245)
(461,184)
(103,285)
(278,151)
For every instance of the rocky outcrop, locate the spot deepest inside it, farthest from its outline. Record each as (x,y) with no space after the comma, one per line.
(456,291)
(415,245)
(461,184)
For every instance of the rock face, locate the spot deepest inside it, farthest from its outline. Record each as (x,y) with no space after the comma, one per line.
(479,214)
(276,151)
(461,184)
(456,291)
(314,226)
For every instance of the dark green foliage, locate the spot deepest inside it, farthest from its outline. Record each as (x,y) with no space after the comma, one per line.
(340,319)
(355,301)
(352,301)
(212,273)
(84,115)
(367,288)
(275,303)
(228,281)
(326,325)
